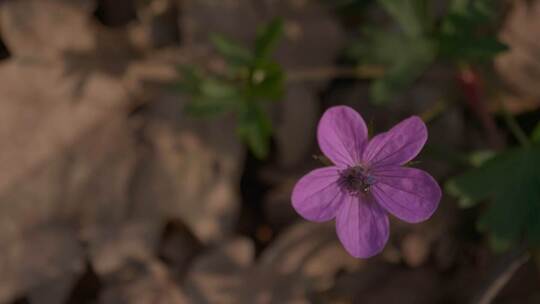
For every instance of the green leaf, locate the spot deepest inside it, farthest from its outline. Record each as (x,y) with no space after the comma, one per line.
(468,47)
(478,158)
(190,79)
(202,106)
(212,97)
(401,68)
(267,39)
(536,133)
(234,53)
(411,15)
(409,64)
(255,128)
(378,46)
(499,245)
(478,11)
(510,182)
(267,82)
(217,89)
(460,36)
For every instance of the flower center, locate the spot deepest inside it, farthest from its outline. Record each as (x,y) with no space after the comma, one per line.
(356,180)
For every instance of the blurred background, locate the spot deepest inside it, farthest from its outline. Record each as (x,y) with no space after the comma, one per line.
(149,148)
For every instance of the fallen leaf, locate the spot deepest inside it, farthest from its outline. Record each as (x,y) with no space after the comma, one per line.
(43,257)
(64,163)
(193,165)
(303,260)
(142,282)
(519,68)
(27,26)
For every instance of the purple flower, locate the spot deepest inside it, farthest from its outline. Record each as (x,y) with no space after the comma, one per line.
(367,180)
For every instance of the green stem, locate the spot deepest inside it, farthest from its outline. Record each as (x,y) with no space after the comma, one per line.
(514,127)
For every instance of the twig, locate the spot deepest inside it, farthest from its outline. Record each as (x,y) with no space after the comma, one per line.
(474,92)
(513,126)
(438,108)
(501,276)
(325,73)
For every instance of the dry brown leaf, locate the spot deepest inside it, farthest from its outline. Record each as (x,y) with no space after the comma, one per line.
(193,164)
(304,260)
(47,31)
(160,20)
(519,67)
(122,243)
(72,155)
(45,28)
(178,247)
(514,104)
(63,161)
(142,282)
(45,257)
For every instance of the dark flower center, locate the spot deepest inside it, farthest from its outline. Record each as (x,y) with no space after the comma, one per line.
(356,180)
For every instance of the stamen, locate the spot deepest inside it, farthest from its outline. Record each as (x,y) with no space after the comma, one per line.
(356,180)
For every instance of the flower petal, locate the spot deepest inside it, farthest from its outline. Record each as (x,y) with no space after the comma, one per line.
(317,196)
(362,227)
(397,146)
(342,135)
(410,194)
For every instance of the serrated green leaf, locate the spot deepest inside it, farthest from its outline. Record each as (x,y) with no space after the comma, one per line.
(459,37)
(479,10)
(255,128)
(510,182)
(411,15)
(468,47)
(232,51)
(401,68)
(409,64)
(378,47)
(267,39)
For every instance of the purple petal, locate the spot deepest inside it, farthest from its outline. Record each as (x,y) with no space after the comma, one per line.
(410,194)
(397,146)
(317,196)
(362,227)
(342,135)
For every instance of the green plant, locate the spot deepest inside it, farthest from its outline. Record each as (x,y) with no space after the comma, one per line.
(251,79)
(509,183)
(462,35)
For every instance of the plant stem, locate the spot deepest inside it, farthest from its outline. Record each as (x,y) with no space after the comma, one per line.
(473,90)
(501,276)
(438,108)
(513,126)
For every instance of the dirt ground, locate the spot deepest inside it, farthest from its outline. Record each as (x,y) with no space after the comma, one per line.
(111,193)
